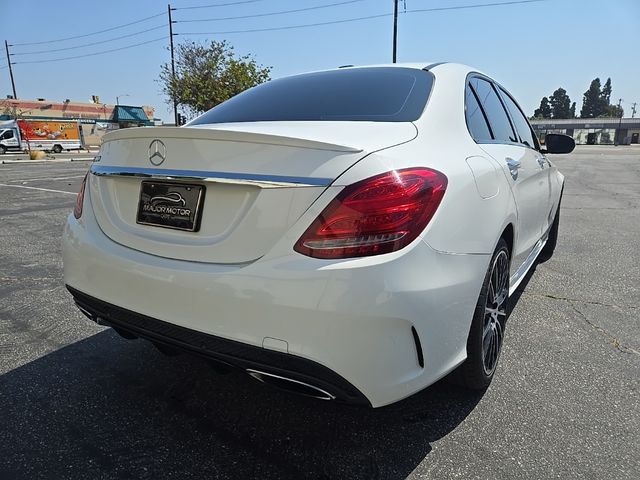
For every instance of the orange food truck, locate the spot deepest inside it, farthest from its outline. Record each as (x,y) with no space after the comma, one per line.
(47,135)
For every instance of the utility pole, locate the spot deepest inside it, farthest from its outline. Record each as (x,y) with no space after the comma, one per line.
(173,64)
(633,110)
(13,84)
(619,131)
(395,30)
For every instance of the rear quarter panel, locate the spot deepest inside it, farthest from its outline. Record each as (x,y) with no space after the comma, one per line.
(478,203)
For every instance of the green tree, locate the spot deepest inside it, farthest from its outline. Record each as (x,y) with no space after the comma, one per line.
(592,106)
(613,111)
(605,95)
(9,109)
(573,110)
(207,75)
(560,104)
(609,110)
(544,111)
(597,101)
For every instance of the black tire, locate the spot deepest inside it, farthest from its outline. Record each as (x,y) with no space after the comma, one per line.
(475,373)
(547,251)
(3,149)
(57,149)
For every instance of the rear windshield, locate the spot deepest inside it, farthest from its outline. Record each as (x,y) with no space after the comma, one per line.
(380,94)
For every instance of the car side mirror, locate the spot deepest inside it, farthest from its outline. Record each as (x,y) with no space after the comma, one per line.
(557,143)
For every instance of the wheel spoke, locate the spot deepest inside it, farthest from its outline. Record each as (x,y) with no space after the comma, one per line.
(493,347)
(486,330)
(504,283)
(493,350)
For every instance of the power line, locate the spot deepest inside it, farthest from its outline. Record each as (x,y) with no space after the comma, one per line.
(214,5)
(368,17)
(356,19)
(92,54)
(290,27)
(90,44)
(92,33)
(461,7)
(282,12)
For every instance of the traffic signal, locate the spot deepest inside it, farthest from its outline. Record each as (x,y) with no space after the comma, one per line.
(181,119)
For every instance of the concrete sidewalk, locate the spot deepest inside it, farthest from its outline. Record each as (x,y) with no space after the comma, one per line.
(20,157)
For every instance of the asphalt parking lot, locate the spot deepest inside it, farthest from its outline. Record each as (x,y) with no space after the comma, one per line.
(77,401)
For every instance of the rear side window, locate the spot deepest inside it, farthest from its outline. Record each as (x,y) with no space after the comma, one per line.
(519,120)
(494,110)
(382,94)
(476,122)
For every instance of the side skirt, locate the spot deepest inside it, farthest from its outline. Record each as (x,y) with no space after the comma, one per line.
(522,271)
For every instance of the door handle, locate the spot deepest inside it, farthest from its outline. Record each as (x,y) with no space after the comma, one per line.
(513,165)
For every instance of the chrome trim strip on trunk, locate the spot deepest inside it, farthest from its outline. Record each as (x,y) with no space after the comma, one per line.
(263,181)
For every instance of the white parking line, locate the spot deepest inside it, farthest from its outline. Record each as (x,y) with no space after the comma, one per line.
(35,188)
(47,178)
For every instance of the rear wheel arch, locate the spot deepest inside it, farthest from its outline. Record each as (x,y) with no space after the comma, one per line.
(508,236)
(489,311)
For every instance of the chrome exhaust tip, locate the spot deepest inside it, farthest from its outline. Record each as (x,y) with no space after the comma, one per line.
(86,312)
(291,385)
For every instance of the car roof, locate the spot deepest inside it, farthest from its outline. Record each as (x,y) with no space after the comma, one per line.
(435,67)
(416,65)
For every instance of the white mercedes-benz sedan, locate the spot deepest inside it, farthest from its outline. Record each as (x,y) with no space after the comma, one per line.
(351,234)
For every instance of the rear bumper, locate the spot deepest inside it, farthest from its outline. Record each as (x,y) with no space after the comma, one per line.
(347,324)
(222,350)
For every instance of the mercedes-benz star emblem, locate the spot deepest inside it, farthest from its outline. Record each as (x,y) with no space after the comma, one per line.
(157,152)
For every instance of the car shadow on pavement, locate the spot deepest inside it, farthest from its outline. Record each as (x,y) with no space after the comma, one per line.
(105,407)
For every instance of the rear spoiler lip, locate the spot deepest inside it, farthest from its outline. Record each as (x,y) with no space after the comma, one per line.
(214,134)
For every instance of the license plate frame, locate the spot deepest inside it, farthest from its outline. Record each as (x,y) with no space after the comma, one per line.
(172,205)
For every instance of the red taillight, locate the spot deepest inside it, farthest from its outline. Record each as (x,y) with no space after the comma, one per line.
(378,215)
(77,210)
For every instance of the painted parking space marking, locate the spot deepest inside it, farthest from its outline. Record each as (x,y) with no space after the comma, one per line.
(46,179)
(36,188)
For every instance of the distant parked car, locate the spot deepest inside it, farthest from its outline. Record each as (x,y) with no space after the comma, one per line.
(351,234)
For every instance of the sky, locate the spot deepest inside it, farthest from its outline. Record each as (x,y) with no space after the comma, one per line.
(530,48)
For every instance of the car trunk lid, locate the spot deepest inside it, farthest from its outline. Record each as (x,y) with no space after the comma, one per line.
(254,181)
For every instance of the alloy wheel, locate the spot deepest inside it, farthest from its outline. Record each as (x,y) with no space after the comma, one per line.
(495,312)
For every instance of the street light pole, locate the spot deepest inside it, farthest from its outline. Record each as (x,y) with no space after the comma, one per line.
(122,95)
(618,132)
